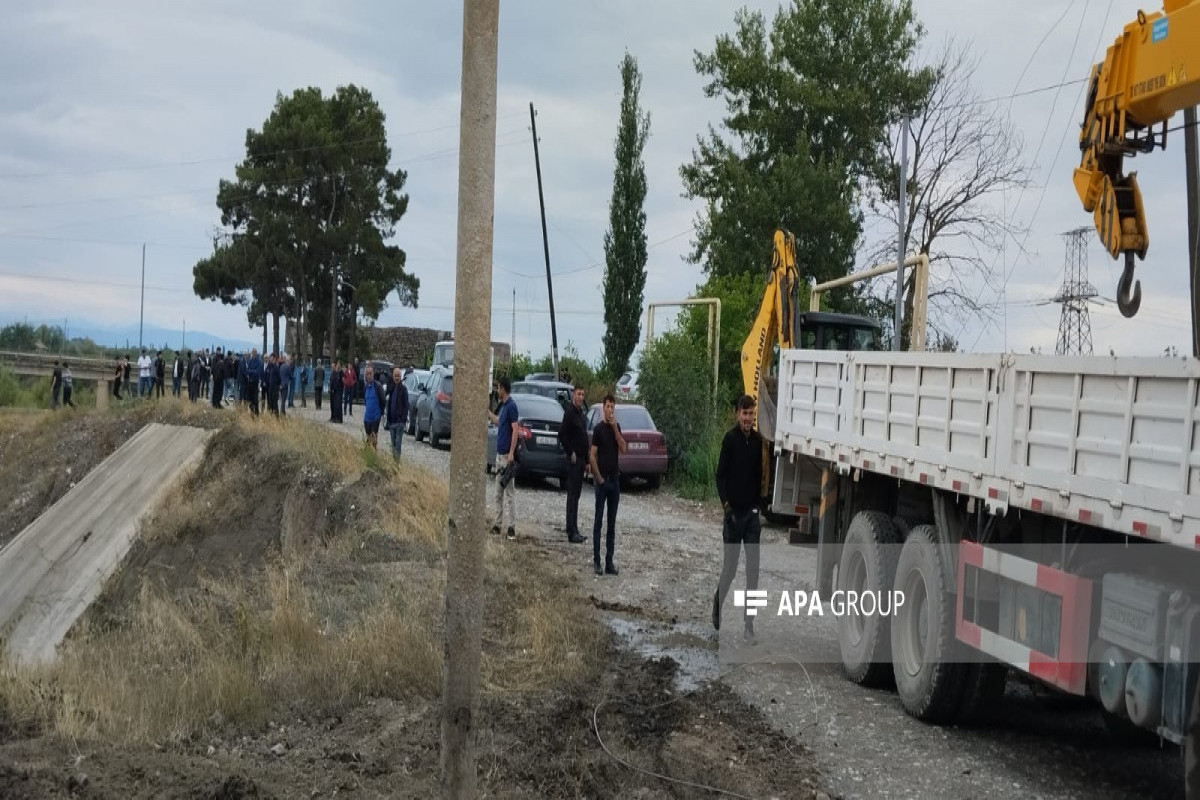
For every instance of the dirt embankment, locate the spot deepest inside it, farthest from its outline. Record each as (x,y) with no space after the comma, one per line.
(277,633)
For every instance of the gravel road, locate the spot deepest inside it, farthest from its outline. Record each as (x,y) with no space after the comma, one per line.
(865,745)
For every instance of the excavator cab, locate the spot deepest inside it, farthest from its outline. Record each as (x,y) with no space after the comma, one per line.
(819,330)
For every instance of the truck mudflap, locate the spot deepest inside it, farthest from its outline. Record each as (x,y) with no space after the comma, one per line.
(1028,615)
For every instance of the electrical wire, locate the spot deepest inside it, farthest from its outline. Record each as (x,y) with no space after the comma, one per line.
(679,781)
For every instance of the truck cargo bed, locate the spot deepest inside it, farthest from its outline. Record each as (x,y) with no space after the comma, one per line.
(1109,442)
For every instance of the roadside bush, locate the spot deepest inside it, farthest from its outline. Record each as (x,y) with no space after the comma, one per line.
(16,392)
(674,386)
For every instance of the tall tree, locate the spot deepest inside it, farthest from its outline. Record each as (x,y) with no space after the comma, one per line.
(808,104)
(308,217)
(964,154)
(625,239)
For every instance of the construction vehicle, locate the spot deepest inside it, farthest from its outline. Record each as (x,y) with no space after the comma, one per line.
(1139,86)
(1041,513)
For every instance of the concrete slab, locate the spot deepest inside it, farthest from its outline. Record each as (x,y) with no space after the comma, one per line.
(53,570)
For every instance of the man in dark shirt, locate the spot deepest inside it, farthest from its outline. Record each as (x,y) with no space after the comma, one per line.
(160,372)
(272,379)
(55,385)
(507,422)
(740,471)
(607,445)
(572,435)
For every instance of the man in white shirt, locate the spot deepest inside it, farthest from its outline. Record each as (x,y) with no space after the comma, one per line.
(145,365)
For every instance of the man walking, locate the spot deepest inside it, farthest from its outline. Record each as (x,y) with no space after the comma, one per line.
(740,471)
(607,445)
(285,383)
(572,435)
(55,385)
(272,379)
(374,400)
(253,370)
(67,385)
(178,373)
(397,412)
(145,365)
(160,371)
(318,383)
(304,386)
(505,421)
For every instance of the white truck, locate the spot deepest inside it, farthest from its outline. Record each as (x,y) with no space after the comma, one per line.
(1041,514)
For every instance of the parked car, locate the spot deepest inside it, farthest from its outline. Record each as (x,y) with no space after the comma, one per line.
(555,390)
(415,380)
(539,419)
(646,455)
(627,387)
(433,406)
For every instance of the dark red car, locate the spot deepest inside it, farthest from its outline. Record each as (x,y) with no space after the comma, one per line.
(646,456)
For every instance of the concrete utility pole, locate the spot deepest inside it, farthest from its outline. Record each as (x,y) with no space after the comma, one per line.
(900,255)
(545,242)
(1191,156)
(142,314)
(467,524)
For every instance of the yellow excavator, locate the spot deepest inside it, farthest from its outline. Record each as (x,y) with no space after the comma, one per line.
(1143,80)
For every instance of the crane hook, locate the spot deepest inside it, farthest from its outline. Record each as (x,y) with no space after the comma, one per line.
(1127,301)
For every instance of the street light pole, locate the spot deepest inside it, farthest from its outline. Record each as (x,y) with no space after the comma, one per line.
(142,315)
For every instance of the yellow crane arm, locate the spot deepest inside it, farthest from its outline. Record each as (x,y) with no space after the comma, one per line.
(1143,80)
(773,323)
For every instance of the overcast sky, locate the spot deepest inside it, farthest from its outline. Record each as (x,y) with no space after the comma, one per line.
(117,120)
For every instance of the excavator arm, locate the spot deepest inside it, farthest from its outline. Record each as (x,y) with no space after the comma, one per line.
(773,323)
(1143,80)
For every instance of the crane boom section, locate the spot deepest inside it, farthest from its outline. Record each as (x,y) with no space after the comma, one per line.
(1143,80)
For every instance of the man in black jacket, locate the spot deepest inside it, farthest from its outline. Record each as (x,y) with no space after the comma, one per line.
(572,435)
(740,471)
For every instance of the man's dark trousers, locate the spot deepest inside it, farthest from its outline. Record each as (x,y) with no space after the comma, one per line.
(607,493)
(317,394)
(741,528)
(574,489)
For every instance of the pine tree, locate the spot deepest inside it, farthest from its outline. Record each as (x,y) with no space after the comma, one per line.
(625,239)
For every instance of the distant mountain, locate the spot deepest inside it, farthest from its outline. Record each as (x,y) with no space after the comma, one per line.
(153,336)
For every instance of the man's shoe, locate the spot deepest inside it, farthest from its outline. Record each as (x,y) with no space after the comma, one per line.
(495,530)
(512,534)
(611,569)
(716,617)
(575,538)
(597,568)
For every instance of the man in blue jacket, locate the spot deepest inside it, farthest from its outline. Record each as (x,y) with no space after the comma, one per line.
(374,398)
(397,412)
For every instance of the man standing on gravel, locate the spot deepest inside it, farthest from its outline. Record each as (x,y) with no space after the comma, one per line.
(160,371)
(607,445)
(374,400)
(740,470)
(505,420)
(254,368)
(285,383)
(572,435)
(318,383)
(396,418)
(144,365)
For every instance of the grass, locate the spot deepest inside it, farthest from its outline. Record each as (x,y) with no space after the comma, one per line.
(693,474)
(356,615)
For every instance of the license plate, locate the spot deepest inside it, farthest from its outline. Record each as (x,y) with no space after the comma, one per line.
(639,445)
(547,440)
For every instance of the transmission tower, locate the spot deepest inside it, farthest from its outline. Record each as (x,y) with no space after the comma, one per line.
(1075,326)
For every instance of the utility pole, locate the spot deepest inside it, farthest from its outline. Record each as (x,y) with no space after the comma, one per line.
(900,254)
(142,316)
(1191,156)
(466,525)
(184,345)
(545,242)
(512,343)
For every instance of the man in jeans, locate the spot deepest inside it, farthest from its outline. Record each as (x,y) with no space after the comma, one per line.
(740,485)
(374,400)
(572,435)
(396,418)
(607,445)
(507,432)
(144,364)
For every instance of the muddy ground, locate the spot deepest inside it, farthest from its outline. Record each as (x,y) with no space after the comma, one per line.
(636,714)
(1031,745)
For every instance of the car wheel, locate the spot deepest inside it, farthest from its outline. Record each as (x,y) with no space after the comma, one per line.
(654,481)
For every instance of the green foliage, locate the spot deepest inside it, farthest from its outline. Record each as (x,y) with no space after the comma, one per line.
(740,296)
(695,474)
(18,392)
(674,386)
(808,105)
(314,195)
(625,239)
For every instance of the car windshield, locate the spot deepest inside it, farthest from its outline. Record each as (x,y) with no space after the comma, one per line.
(634,418)
(532,406)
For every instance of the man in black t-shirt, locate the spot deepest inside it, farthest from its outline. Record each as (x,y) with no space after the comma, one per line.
(740,470)
(607,445)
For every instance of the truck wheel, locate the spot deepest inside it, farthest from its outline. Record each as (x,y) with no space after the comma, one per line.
(928,681)
(868,564)
(983,686)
